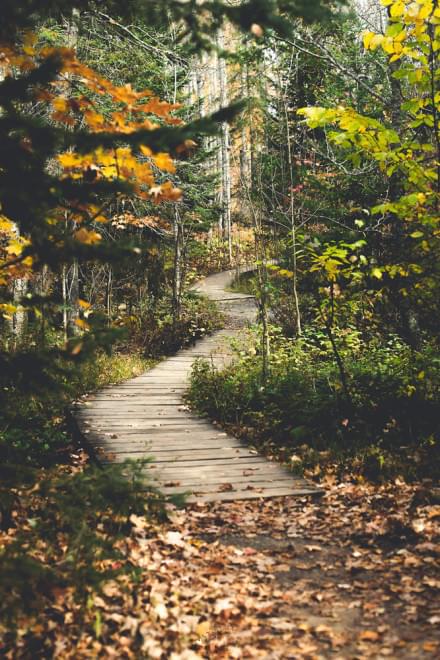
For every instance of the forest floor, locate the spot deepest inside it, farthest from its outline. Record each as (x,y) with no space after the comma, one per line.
(353,574)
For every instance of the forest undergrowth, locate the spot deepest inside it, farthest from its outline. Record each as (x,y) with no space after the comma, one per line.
(127,171)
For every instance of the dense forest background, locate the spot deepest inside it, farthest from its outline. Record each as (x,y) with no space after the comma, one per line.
(144,147)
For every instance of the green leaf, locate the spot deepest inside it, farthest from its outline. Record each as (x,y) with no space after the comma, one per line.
(394,29)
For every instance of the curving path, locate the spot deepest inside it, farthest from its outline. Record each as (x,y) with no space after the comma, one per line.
(146,416)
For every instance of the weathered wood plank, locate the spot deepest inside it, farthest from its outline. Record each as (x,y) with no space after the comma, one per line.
(233,480)
(162,447)
(146,416)
(256,488)
(251,495)
(174,456)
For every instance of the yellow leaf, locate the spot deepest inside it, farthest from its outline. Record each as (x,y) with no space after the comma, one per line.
(397,9)
(83,304)
(164,162)
(367,37)
(60,104)
(369,636)
(376,41)
(377,273)
(203,628)
(8,309)
(6,225)
(87,237)
(69,160)
(15,247)
(82,324)
(388,45)
(94,119)
(425,11)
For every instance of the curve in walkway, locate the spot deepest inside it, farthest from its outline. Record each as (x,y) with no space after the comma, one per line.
(146,416)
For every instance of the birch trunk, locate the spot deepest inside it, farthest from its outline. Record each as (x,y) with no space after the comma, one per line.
(71,275)
(177,279)
(225,148)
(108,294)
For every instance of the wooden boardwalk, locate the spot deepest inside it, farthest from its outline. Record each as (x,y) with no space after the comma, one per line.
(146,416)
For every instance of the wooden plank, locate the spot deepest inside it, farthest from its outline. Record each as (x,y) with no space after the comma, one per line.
(229,463)
(162,439)
(162,436)
(147,445)
(171,473)
(179,456)
(137,401)
(251,495)
(114,424)
(236,480)
(147,416)
(223,466)
(257,487)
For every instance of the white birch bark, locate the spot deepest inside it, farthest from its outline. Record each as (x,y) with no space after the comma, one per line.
(70,276)
(225,140)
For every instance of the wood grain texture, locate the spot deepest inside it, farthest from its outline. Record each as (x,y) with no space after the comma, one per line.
(147,417)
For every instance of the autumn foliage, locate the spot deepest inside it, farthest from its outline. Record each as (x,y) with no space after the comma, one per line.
(79,179)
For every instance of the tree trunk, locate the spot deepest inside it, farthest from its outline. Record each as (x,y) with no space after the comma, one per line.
(108,294)
(292,216)
(71,293)
(177,279)
(71,288)
(225,149)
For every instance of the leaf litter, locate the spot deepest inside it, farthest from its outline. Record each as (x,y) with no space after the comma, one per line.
(352,575)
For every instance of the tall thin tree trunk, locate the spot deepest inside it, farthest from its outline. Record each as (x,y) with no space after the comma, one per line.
(263,301)
(225,148)
(177,279)
(71,289)
(251,152)
(292,217)
(65,301)
(72,298)
(19,318)
(108,294)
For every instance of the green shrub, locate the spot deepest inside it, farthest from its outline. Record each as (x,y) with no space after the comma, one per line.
(155,332)
(395,397)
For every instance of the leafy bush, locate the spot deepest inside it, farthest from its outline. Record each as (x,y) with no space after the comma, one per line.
(156,332)
(395,397)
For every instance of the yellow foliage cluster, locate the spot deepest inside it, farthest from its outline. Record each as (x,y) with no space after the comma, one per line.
(12,263)
(409,23)
(73,100)
(408,149)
